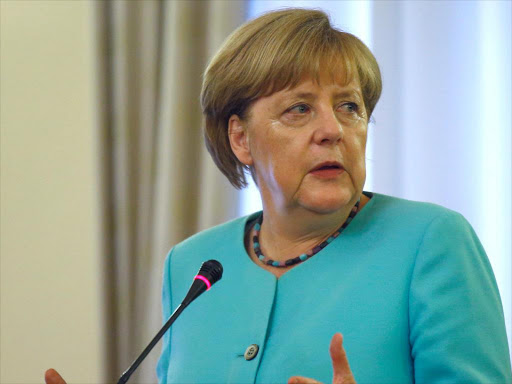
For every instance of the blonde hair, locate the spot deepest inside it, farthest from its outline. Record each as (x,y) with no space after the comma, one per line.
(271,53)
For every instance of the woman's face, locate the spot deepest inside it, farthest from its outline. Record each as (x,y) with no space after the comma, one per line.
(307,145)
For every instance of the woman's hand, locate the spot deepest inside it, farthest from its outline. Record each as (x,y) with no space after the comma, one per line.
(341,370)
(52,377)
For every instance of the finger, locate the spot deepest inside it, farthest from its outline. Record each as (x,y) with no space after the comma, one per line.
(340,366)
(51,376)
(302,380)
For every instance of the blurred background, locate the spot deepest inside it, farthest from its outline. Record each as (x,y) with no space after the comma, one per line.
(103,168)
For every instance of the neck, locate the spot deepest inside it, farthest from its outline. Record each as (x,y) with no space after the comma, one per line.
(285,235)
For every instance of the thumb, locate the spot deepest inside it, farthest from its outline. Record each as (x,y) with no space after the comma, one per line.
(51,376)
(341,369)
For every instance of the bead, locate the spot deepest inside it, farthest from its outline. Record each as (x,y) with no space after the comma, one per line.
(304,256)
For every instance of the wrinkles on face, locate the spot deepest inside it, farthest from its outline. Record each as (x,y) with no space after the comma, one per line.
(299,106)
(269,168)
(292,131)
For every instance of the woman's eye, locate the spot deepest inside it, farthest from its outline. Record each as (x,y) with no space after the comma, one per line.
(299,109)
(350,107)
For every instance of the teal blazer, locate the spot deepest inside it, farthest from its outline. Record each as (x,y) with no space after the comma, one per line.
(408,285)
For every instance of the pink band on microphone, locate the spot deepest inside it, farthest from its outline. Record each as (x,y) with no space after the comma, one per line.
(208,284)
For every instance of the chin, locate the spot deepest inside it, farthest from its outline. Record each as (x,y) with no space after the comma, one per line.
(326,204)
(327,198)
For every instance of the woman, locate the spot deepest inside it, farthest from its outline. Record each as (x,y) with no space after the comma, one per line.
(288,99)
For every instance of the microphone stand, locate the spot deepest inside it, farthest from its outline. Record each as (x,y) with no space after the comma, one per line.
(209,273)
(126,375)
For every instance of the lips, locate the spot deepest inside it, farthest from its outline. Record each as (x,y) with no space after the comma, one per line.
(327,170)
(328,165)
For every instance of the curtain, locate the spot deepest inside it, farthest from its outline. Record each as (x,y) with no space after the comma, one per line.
(158,184)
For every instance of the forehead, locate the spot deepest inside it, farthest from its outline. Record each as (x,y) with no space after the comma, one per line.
(324,83)
(312,88)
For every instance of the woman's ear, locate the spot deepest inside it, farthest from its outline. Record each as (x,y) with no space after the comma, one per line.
(239,140)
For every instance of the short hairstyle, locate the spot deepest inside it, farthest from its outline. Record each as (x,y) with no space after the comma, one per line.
(271,53)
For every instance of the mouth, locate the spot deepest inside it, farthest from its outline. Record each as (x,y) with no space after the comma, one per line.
(327,169)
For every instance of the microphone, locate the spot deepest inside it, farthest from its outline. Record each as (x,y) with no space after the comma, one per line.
(209,273)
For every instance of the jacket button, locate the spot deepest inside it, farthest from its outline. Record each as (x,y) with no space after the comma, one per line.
(251,351)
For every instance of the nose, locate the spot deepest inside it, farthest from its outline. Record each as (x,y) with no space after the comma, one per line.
(328,129)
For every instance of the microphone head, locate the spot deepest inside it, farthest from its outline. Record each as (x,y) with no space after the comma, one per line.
(210,272)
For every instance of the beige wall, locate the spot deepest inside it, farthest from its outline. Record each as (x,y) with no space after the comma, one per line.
(50,294)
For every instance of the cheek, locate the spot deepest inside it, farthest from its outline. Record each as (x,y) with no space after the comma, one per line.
(278,164)
(358,145)
(280,167)
(267,145)
(267,158)
(356,156)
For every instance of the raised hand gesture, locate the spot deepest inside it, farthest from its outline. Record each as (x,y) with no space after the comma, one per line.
(341,369)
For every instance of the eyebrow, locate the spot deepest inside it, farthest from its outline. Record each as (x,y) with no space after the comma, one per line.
(346,93)
(312,96)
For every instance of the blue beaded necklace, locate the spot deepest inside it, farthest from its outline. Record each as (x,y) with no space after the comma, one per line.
(304,256)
